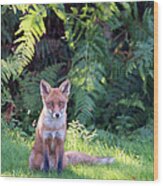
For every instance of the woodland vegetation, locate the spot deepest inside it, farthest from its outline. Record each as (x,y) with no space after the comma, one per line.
(105,49)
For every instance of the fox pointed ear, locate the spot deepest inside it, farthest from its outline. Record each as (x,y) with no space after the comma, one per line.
(65,87)
(44,88)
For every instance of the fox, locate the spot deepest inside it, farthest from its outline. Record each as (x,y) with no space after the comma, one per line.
(48,150)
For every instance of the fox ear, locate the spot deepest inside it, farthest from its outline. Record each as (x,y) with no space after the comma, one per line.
(44,88)
(65,87)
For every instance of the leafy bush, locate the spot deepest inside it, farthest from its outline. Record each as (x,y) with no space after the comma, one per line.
(105,49)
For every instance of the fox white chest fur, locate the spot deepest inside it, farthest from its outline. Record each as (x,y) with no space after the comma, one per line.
(48,134)
(53,127)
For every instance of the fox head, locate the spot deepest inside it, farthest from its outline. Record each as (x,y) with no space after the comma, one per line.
(55,99)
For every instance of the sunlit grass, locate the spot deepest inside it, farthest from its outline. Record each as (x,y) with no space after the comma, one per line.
(134,161)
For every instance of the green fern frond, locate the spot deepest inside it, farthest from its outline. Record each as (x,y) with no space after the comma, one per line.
(32,29)
(133,101)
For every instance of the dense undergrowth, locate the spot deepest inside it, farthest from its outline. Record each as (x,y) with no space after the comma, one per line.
(105,49)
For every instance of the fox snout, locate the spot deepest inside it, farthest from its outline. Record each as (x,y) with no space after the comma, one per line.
(56,115)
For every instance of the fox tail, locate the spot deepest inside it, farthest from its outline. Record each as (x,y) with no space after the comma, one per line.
(74,158)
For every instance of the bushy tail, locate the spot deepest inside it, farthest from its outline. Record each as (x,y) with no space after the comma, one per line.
(79,157)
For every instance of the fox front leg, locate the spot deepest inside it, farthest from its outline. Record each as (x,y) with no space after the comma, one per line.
(46,155)
(59,155)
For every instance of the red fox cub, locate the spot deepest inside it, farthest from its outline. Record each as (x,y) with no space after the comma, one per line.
(48,150)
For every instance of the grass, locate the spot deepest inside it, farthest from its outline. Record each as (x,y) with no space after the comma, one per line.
(134,158)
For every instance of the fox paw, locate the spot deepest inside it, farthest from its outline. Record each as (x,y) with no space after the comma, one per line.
(46,167)
(59,168)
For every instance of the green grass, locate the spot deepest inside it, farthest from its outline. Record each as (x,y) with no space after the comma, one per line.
(134,158)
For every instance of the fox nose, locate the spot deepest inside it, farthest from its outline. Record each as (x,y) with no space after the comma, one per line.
(56,115)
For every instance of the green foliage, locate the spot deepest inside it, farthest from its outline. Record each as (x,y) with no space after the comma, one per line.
(87,71)
(134,101)
(131,72)
(31,28)
(7,33)
(79,131)
(105,49)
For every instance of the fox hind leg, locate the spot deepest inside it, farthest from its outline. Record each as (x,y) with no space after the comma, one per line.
(35,160)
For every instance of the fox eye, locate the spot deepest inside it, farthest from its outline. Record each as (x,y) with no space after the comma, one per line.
(61,104)
(50,104)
